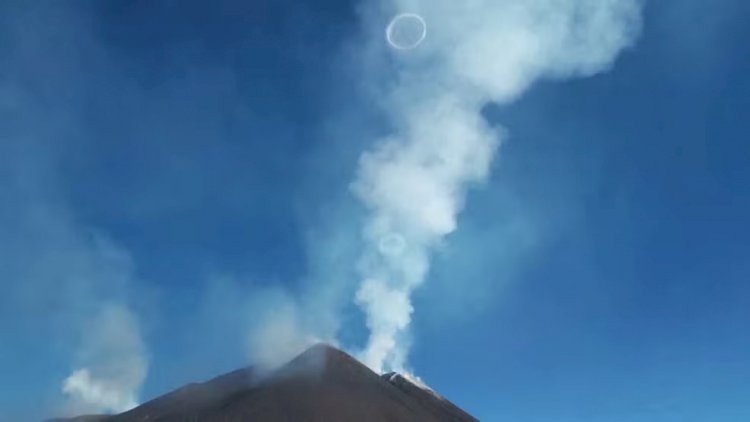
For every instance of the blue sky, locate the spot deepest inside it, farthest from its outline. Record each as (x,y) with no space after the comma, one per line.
(194,162)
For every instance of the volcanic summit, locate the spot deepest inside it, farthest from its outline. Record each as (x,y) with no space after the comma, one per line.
(323,384)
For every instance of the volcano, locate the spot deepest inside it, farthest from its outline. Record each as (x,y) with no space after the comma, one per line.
(323,384)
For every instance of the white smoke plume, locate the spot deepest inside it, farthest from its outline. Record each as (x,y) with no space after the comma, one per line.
(115,366)
(414,182)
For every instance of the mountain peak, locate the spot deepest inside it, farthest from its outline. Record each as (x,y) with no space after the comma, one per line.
(321,384)
(320,352)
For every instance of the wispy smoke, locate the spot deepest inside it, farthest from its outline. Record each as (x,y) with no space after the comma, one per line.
(115,364)
(63,281)
(279,331)
(67,283)
(414,182)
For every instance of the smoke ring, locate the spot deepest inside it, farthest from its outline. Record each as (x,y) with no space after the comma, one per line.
(409,22)
(392,244)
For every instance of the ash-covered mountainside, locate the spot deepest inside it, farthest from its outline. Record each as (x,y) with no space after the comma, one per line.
(323,384)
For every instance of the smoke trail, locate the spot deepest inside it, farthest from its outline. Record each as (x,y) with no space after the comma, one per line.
(115,361)
(414,182)
(64,284)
